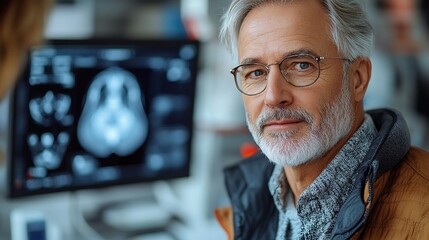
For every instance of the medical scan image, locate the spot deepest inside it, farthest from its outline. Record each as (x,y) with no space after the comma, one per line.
(90,113)
(51,108)
(113,119)
(47,149)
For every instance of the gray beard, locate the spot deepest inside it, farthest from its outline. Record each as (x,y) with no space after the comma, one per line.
(281,148)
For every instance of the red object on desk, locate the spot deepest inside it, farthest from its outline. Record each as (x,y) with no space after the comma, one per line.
(248,149)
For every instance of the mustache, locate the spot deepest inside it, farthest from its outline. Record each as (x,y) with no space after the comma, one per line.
(278,114)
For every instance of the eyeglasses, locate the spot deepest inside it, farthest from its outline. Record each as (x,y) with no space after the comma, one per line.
(300,70)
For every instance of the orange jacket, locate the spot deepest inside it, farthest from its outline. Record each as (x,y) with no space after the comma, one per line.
(401,201)
(400,207)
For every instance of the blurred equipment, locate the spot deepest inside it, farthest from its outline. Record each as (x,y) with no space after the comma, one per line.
(32,225)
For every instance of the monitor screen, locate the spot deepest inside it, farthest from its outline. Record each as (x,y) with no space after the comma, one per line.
(94,113)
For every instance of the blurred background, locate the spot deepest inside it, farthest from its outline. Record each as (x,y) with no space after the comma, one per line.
(400,80)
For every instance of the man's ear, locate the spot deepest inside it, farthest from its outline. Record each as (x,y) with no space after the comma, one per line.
(359,76)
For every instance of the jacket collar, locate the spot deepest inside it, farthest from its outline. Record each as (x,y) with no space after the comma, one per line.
(392,142)
(388,148)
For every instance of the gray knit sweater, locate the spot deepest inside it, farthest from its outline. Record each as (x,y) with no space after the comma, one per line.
(318,206)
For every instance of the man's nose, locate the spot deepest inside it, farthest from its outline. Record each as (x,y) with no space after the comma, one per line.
(278,91)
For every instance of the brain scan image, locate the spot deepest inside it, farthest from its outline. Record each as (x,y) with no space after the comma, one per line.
(51,108)
(48,149)
(113,119)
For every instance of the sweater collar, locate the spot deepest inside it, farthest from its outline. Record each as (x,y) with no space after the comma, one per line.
(319,204)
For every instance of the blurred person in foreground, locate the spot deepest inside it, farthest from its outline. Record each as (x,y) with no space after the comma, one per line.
(21,26)
(327,169)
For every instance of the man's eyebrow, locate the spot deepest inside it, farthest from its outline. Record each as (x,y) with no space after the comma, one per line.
(299,52)
(250,60)
(284,55)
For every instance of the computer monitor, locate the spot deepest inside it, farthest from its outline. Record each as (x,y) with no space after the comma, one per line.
(95,113)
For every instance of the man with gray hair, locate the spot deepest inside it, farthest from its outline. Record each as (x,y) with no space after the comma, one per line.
(327,169)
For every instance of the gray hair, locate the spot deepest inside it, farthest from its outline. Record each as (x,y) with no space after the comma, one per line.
(350,27)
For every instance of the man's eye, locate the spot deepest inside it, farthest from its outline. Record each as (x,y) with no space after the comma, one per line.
(256,73)
(253,72)
(302,66)
(299,65)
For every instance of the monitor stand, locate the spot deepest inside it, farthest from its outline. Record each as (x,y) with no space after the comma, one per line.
(144,215)
(148,215)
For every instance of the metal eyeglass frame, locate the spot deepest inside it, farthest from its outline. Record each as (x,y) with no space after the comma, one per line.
(233,71)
